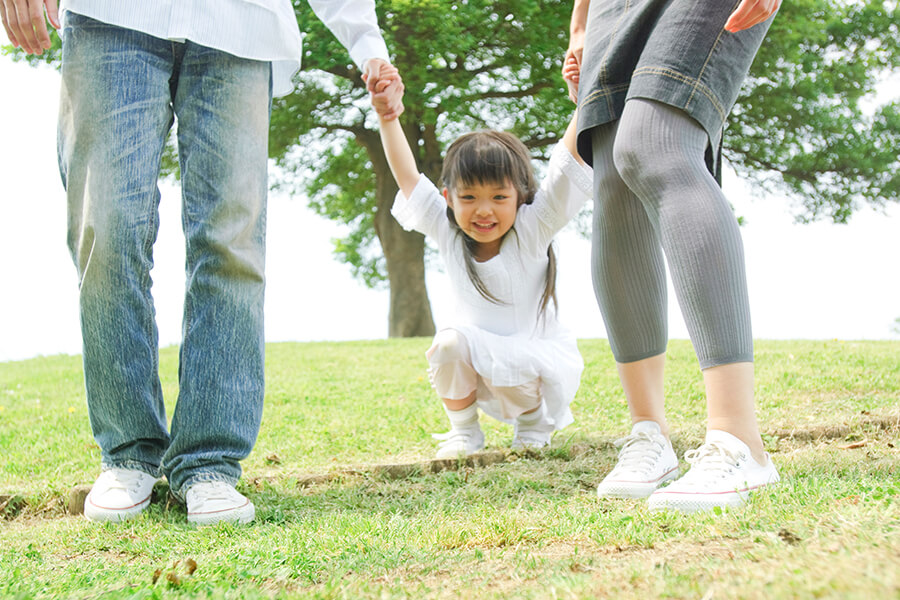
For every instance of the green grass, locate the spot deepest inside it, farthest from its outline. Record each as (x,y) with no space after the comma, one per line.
(527,527)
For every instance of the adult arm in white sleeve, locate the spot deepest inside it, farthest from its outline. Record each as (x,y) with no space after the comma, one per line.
(354,24)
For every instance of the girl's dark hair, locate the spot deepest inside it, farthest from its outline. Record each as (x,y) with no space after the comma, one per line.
(493,157)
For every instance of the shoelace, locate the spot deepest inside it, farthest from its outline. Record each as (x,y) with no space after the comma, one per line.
(713,459)
(125,480)
(635,449)
(213,491)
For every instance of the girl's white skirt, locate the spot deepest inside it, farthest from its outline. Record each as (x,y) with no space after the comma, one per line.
(512,361)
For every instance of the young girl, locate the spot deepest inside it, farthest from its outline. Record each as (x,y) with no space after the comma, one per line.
(506,353)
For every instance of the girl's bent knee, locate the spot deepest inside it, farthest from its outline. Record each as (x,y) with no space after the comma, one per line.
(449,345)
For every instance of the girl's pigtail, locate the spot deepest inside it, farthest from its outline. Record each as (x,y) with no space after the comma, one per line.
(549,285)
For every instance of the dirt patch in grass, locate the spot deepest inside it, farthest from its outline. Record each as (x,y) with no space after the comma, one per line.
(15,507)
(722,567)
(866,422)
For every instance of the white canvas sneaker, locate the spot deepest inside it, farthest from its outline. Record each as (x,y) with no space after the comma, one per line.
(211,502)
(118,495)
(646,461)
(459,442)
(722,474)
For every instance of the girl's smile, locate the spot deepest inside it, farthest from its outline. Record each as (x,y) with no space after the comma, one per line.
(484,227)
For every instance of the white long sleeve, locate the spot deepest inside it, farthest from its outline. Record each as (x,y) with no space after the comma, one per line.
(255,29)
(355,25)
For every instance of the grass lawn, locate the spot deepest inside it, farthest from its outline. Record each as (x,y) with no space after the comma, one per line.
(332,522)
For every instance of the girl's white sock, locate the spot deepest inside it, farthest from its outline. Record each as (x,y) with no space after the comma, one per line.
(465,418)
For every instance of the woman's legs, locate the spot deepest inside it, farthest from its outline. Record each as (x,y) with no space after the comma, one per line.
(642,382)
(656,155)
(730,405)
(659,152)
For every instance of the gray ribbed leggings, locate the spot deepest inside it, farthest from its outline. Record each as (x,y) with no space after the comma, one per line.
(653,194)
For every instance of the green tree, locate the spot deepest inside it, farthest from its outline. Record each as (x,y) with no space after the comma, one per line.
(806,125)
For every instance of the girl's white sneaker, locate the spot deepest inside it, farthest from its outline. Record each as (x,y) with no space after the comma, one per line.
(458,443)
(722,474)
(524,439)
(532,432)
(646,461)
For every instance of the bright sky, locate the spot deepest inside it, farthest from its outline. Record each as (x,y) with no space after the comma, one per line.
(806,281)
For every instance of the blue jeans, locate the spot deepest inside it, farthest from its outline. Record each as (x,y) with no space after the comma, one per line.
(120,92)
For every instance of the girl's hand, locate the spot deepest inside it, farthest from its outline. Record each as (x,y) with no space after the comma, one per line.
(750,13)
(383,93)
(572,63)
(571,73)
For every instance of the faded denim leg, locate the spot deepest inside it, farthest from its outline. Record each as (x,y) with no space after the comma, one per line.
(114,116)
(222,104)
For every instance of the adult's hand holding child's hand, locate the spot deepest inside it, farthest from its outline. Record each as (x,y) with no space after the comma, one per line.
(386,88)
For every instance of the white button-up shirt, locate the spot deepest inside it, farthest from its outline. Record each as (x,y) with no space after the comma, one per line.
(256,29)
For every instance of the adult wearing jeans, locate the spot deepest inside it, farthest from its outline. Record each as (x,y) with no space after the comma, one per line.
(655,80)
(129,68)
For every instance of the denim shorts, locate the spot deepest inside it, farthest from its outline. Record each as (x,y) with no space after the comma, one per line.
(671,51)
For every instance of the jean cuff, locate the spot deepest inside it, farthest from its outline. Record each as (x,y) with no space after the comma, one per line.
(132,465)
(201,477)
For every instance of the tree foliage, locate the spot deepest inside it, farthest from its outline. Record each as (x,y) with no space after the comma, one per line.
(807,124)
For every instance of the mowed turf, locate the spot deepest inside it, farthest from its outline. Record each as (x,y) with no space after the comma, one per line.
(334,522)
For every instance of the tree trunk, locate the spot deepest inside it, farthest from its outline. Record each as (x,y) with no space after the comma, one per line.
(404,255)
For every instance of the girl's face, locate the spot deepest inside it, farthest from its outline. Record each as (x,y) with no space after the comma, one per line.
(485,212)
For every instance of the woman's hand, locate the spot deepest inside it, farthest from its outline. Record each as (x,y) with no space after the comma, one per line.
(750,13)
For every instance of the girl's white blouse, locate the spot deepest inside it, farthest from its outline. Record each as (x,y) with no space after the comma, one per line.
(510,343)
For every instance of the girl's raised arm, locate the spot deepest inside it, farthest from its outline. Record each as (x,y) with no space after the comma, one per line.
(399,155)
(570,138)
